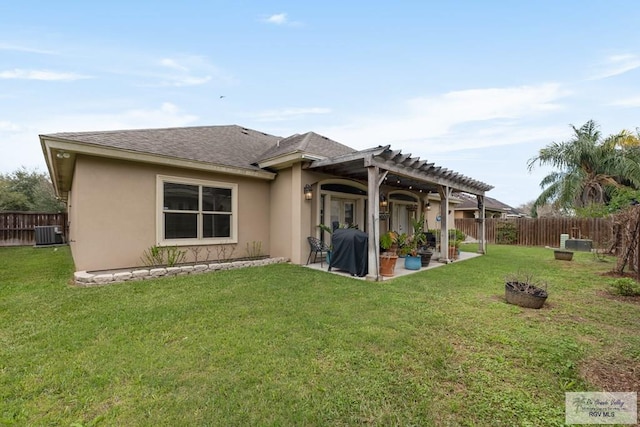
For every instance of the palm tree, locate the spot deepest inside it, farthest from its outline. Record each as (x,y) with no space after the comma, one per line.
(588,167)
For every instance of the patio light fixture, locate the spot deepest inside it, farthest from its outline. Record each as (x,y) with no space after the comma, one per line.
(383,201)
(427,205)
(308,192)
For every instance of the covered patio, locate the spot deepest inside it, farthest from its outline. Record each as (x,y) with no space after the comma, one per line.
(383,168)
(399,270)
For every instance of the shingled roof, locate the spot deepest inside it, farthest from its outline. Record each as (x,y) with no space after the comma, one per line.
(471,203)
(309,143)
(222,145)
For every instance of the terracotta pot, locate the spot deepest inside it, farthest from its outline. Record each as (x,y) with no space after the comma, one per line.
(453,252)
(388,265)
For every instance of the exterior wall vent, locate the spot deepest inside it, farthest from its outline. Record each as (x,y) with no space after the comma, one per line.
(48,235)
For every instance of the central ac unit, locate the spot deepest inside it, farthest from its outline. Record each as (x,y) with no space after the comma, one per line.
(48,235)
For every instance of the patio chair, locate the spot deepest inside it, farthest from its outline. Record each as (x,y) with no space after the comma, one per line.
(430,240)
(317,247)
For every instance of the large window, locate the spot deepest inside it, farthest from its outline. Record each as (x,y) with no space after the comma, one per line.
(196,212)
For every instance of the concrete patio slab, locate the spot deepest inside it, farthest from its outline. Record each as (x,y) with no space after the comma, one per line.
(399,271)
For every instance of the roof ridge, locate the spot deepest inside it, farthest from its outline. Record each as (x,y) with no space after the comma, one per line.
(305,141)
(172,128)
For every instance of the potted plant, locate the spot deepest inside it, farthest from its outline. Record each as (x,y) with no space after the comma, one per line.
(563,254)
(403,245)
(454,248)
(522,290)
(388,257)
(413,260)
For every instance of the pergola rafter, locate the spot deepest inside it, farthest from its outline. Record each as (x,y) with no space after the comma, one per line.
(380,165)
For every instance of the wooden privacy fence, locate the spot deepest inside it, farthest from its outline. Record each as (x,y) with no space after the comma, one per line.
(539,231)
(18,228)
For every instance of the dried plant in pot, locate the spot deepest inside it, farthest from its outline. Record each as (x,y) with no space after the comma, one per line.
(523,290)
(563,254)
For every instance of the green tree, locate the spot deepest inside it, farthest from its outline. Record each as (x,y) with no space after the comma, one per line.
(24,190)
(588,168)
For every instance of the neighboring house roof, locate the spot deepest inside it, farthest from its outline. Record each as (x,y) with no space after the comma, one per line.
(223,145)
(471,203)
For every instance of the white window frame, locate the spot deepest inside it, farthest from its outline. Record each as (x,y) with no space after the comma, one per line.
(161,241)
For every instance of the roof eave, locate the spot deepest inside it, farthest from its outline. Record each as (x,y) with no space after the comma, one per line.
(286,160)
(62,181)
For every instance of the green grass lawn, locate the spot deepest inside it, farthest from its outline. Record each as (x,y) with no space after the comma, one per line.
(285,345)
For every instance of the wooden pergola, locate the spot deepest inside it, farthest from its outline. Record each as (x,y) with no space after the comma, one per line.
(380,165)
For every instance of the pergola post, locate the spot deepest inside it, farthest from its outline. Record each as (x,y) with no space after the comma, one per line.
(482,238)
(373,209)
(445,193)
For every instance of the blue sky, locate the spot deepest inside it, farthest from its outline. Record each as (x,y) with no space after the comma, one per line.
(474,86)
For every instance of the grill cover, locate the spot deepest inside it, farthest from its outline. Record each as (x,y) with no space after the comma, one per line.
(350,251)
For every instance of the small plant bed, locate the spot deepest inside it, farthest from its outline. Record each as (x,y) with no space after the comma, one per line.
(524,292)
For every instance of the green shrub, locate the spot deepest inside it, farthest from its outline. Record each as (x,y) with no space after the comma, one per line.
(174,255)
(153,256)
(626,287)
(506,233)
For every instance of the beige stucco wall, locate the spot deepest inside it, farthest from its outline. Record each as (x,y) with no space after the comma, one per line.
(281,212)
(112,212)
(294,217)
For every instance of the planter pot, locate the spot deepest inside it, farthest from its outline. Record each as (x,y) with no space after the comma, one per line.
(453,252)
(412,262)
(563,255)
(388,265)
(425,258)
(524,295)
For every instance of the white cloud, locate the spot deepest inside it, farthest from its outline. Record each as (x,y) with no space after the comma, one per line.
(166,115)
(615,65)
(190,81)
(45,75)
(8,126)
(281,19)
(190,70)
(170,63)
(494,116)
(278,19)
(289,113)
(627,102)
(26,49)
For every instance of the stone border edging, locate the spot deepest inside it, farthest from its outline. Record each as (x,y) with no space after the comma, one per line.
(82,278)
